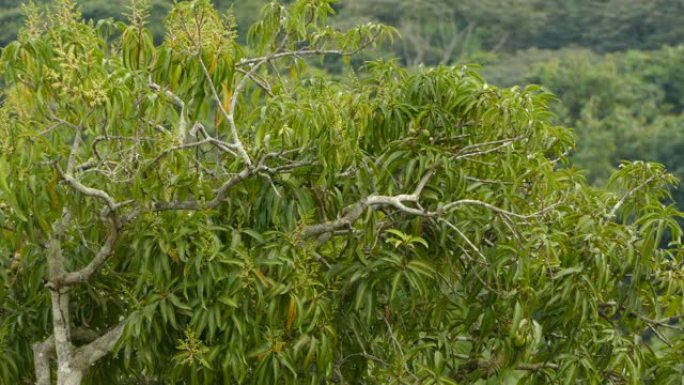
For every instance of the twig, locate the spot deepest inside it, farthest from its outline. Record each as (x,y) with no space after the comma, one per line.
(71,163)
(537,366)
(176,100)
(619,204)
(305,52)
(220,194)
(229,116)
(659,335)
(89,191)
(465,238)
(226,147)
(263,84)
(454,204)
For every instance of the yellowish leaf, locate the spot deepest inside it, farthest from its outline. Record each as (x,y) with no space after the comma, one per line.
(291,312)
(227,100)
(262,278)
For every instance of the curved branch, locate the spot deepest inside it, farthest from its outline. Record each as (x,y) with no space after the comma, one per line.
(195,205)
(476,202)
(354,211)
(223,146)
(84,274)
(221,192)
(622,201)
(89,191)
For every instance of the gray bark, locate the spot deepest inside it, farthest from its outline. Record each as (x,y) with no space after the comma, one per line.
(42,352)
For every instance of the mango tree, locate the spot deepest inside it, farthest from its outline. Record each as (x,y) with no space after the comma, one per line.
(203,212)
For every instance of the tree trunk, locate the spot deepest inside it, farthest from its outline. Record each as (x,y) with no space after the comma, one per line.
(75,361)
(69,376)
(42,352)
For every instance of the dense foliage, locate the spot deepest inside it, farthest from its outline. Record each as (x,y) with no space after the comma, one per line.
(624,105)
(205,211)
(11,14)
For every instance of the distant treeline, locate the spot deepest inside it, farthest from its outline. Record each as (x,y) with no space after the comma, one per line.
(437,31)
(623,105)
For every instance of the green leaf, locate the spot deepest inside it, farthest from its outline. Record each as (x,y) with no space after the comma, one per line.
(7,193)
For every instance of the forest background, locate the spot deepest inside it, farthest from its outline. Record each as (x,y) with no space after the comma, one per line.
(616,66)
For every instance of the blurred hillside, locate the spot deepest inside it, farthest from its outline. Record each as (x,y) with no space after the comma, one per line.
(616,65)
(444,31)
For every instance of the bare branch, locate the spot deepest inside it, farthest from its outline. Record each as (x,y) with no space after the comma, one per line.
(477,148)
(280,55)
(465,238)
(228,115)
(487,181)
(352,213)
(84,274)
(74,150)
(50,129)
(87,355)
(619,204)
(401,351)
(454,204)
(89,191)
(396,201)
(221,145)
(263,84)
(179,148)
(537,366)
(176,100)
(561,156)
(60,120)
(423,182)
(194,205)
(101,139)
(258,61)
(302,52)
(663,323)
(660,336)
(62,279)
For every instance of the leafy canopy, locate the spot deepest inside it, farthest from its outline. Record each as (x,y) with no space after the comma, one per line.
(205,211)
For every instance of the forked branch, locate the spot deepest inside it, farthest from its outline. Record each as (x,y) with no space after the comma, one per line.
(84,274)
(355,210)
